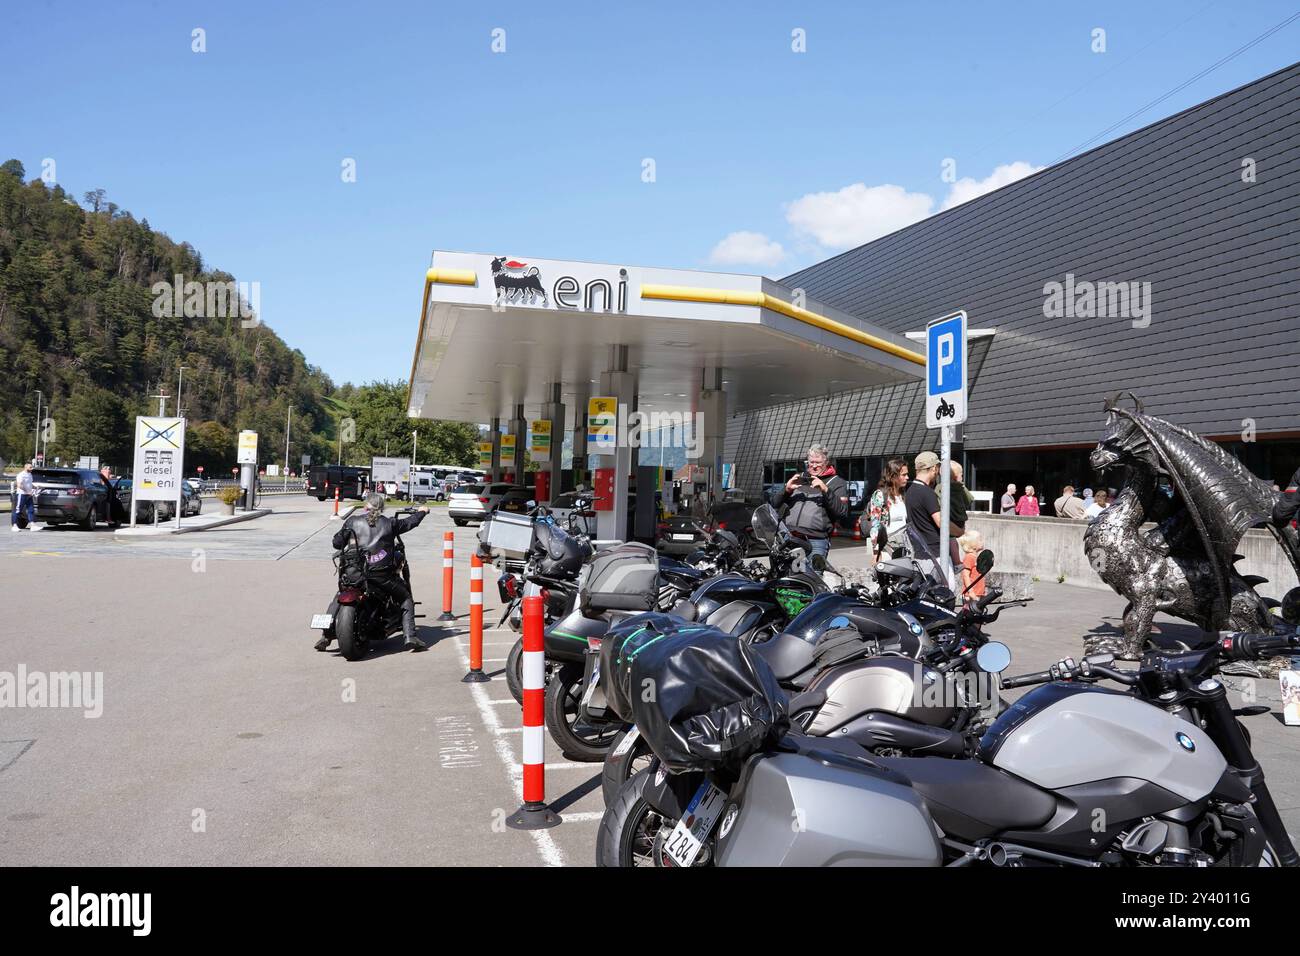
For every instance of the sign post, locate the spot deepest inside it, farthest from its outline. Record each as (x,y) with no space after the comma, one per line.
(248,466)
(157,467)
(945,407)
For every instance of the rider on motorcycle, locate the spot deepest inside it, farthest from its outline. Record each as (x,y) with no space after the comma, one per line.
(376,537)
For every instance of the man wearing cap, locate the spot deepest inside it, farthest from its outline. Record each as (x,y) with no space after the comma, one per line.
(924,513)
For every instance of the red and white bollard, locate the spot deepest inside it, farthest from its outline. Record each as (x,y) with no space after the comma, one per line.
(534,814)
(336,501)
(448,556)
(475,675)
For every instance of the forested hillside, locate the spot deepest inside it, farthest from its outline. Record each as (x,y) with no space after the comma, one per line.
(78,323)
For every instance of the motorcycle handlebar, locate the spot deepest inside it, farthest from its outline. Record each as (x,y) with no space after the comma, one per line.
(1042,677)
(1243,646)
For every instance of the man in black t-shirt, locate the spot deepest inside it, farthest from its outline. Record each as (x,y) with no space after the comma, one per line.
(923,508)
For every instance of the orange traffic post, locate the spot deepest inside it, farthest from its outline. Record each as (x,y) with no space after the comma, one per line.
(475,675)
(336,501)
(534,814)
(448,555)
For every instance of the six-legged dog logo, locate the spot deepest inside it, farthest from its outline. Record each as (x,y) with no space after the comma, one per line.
(517,281)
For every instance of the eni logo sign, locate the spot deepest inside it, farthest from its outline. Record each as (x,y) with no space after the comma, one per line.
(518,283)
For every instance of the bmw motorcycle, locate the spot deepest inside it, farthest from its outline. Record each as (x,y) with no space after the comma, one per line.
(1072,774)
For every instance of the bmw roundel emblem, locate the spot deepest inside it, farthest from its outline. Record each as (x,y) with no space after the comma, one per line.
(1186,742)
(915,628)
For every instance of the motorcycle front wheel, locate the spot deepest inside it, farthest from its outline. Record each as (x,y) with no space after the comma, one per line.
(345,630)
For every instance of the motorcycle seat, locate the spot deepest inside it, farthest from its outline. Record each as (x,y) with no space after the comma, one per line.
(971,800)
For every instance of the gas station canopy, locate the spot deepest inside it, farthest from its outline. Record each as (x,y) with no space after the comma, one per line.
(497,332)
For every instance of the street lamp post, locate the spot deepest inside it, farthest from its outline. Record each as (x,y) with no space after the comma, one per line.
(179,382)
(288,421)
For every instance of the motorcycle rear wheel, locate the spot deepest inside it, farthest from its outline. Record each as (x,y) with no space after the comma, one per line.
(345,630)
(515,671)
(629,833)
(563,697)
(619,770)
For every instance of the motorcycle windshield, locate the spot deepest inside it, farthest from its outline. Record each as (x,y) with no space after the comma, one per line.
(766,524)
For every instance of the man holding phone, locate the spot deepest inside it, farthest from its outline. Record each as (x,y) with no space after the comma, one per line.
(817,499)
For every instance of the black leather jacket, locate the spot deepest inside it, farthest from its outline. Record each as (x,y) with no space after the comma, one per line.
(378,542)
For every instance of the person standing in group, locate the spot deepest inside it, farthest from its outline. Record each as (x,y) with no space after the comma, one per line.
(924,514)
(888,510)
(816,499)
(1009,501)
(959,502)
(1028,503)
(24,499)
(972,543)
(1069,505)
(1100,500)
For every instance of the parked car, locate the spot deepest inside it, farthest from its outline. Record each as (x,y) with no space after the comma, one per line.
(196,484)
(565,506)
(517,499)
(191,502)
(66,496)
(144,510)
(679,534)
(475,502)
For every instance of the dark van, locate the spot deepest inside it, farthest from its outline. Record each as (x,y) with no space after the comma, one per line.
(322,480)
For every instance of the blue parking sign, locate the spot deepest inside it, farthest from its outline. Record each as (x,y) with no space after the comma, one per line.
(945,371)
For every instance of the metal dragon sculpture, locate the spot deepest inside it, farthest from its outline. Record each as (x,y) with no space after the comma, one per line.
(1185,565)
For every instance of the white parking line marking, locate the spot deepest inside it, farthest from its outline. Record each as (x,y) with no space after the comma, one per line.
(585,816)
(546,846)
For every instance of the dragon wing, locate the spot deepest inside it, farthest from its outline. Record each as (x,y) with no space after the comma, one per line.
(1225,499)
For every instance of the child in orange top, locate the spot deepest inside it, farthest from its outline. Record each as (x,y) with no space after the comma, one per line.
(972,543)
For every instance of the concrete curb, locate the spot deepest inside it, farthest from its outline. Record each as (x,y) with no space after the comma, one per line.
(128,532)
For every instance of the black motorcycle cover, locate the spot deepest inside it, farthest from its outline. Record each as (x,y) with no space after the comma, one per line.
(699,696)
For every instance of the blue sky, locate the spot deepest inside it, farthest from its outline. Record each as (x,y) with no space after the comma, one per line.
(765,159)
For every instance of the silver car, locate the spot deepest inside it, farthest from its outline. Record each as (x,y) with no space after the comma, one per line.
(474,502)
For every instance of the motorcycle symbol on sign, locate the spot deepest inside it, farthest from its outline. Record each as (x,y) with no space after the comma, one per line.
(944,410)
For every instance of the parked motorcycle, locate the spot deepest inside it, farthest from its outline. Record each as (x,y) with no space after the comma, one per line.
(867,674)
(1073,774)
(753,603)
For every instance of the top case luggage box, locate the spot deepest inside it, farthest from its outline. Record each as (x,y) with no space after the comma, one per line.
(622,578)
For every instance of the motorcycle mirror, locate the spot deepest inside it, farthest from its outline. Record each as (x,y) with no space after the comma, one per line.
(984,562)
(994,657)
(1291,606)
(882,538)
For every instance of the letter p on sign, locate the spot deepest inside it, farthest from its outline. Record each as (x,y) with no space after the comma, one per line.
(945,371)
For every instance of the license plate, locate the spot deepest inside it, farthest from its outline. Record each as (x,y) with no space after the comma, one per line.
(683,537)
(322,622)
(683,844)
(629,740)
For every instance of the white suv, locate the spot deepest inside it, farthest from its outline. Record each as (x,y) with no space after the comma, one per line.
(474,502)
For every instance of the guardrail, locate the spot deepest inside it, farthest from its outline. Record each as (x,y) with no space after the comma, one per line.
(270,486)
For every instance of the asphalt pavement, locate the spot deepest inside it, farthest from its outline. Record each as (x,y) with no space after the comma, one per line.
(225,739)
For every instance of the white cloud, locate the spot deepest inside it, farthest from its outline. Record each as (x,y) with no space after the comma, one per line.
(964,190)
(747,248)
(856,213)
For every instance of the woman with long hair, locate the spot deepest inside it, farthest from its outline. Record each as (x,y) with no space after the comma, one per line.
(886,509)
